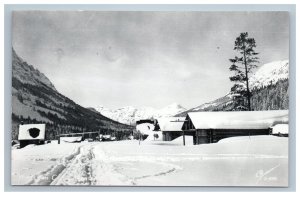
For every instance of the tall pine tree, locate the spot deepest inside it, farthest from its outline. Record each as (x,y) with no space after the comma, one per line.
(242,65)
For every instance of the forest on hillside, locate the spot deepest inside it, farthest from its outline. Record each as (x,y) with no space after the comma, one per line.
(272,97)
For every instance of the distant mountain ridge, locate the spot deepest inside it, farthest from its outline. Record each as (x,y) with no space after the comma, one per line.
(269,85)
(130,114)
(35,100)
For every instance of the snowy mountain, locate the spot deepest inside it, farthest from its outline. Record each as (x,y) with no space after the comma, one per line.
(268,81)
(35,100)
(129,115)
(269,74)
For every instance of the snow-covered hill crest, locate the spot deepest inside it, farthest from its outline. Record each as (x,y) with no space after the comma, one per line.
(129,114)
(269,74)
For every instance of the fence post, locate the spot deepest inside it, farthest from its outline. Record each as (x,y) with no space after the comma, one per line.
(58,136)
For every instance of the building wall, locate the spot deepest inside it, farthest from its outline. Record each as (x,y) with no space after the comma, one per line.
(171,135)
(204,136)
(24,143)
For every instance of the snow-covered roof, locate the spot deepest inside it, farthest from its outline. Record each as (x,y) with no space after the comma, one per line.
(32,132)
(145,128)
(171,123)
(238,119)
(106,136)
(280,128)
(71,139)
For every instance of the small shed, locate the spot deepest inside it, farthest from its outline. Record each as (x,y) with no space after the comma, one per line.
(145,128)
(31,134)
(210,127)
(171,127)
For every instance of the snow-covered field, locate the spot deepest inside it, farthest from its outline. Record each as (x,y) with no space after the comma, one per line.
(237,161)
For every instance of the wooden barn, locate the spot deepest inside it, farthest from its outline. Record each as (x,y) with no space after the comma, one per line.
(31,134)
(210,127)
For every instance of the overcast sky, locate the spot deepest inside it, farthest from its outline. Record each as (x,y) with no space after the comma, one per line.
(117,59)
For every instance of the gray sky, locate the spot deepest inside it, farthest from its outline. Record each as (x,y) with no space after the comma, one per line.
(117,59)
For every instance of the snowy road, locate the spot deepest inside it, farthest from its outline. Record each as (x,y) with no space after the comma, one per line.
(242,161)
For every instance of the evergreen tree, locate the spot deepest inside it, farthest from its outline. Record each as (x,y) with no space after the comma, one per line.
(242,66)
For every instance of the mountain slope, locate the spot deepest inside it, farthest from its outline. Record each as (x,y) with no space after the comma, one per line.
(26,74)
(129,114)
(269,74)
(269,86)
(35,100)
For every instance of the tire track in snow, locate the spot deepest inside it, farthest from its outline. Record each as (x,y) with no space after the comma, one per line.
(158,174)
(48,176)
(132,180)
(88,167)
(109,172)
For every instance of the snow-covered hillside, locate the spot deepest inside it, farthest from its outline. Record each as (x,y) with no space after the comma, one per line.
(270,73)
(129,114)
(222,100)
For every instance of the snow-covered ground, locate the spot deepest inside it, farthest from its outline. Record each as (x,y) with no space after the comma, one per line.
(238,161)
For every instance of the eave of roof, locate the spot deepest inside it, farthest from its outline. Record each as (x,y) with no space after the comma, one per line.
(238,119)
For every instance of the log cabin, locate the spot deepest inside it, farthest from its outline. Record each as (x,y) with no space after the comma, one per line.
(210,127)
